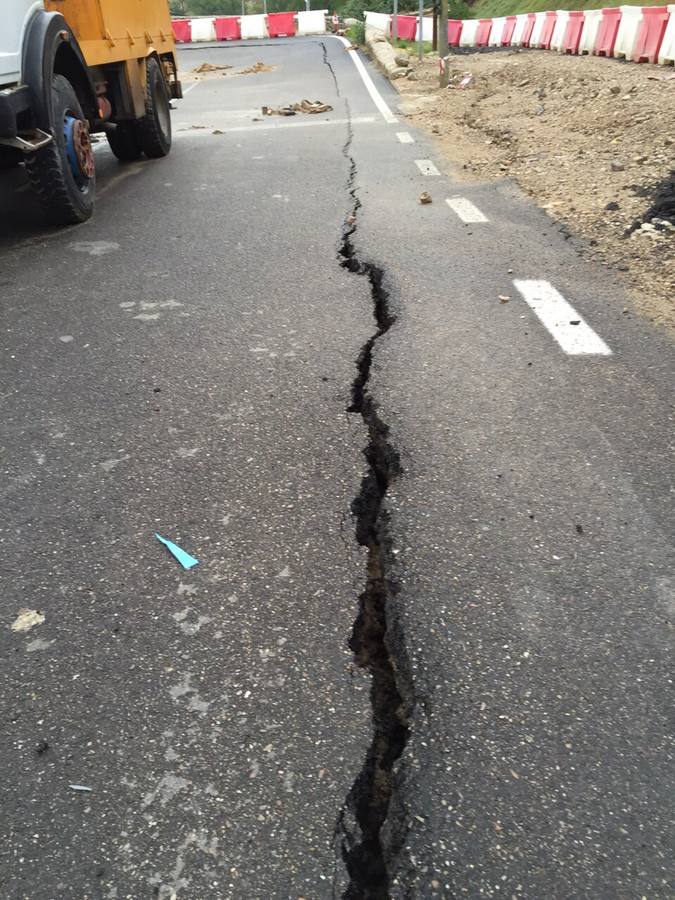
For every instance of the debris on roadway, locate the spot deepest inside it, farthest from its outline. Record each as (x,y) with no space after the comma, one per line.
(312,107)
(27,619)
(186,561)
(590,139)
(255,68)
(425,197)
(210,68)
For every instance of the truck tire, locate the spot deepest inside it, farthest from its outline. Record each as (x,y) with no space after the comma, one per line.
(154,129)
(62,174)
(124,142)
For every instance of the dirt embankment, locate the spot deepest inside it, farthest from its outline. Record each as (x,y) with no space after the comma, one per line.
(592,140)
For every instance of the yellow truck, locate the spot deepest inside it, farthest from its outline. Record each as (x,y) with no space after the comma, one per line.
(71,68)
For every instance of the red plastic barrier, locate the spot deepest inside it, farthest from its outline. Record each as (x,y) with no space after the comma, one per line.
(529,28)
(547,30)
(572,36)
(507,33)
(607,32)
(650,35)
(281,24)
(483,32)
(228,28)
(182,30)
(454,32)
(407,27)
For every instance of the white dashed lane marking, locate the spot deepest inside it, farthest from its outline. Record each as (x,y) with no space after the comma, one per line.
(405,138)
(466,210)
(561,319)
(426,167)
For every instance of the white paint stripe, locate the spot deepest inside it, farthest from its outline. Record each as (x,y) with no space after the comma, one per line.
(375,95)
(466,210)
(561,319)
(191,88)
(270,126)
(405,138)
(426,167)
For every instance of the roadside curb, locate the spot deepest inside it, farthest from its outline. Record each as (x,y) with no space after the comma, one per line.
(383,53)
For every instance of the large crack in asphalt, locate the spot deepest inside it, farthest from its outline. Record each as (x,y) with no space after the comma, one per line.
(371,826)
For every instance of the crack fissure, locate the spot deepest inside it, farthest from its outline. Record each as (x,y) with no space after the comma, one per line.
(370,840)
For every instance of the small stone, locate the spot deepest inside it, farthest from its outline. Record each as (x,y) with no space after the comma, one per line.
(640,159)
(425,197)
(540,110)
(612,207)
(402,59)
(617,167)
(503,298)
(614,89)
(411,76)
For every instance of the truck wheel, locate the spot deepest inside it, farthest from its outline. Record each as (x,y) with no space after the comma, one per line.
(124,142)
(63,173)
(154,129)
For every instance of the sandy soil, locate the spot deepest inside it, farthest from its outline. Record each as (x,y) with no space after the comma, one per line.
(592,140)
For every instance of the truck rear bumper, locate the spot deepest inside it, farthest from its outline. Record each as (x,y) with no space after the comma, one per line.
(15,104)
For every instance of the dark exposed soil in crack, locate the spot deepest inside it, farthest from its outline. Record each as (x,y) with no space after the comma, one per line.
(369,801)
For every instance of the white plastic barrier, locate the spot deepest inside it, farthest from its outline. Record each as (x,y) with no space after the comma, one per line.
(667,51)
(497,31)
(539,20)
(312,22)
(253,27)
(469,31)
(562,18)
(381,21)
(592,19)
(519,30)
(427,29)
(203,30)
(631,18)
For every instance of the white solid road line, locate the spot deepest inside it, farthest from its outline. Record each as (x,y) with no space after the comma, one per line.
(561,319)
(405,138)
(375,95)
(466,210)
(426,167)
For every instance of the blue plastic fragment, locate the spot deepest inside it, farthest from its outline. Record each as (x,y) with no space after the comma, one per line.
(186,561)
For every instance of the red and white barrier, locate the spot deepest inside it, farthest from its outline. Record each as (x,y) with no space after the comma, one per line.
(535,38)
(203,29)
(312,22)
(626,36)
(609,28)
(589,32)
(507,30)
(454,32)
(469,32)
(497,31)
(562,17)
(667,51)
(547,29)
(524,21)
(651,33)
(572,36)
(281,24)
(253,27)
(182,30)
(406,27)
(228,28)
(483,32)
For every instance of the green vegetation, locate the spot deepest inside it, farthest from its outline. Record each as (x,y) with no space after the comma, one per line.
(411,46)
(485,9)
(357,34)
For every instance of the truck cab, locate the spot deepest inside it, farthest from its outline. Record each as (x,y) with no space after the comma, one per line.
(69,68)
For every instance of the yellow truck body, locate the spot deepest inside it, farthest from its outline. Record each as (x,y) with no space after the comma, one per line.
(111,31)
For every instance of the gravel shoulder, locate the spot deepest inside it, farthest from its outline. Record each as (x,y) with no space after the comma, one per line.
(590,140)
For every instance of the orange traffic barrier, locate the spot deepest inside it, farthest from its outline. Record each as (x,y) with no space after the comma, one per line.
(454,32)
(483,32)
(507,33)
(547,30)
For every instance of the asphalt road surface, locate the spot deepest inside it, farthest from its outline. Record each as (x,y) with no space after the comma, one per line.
(424,456)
